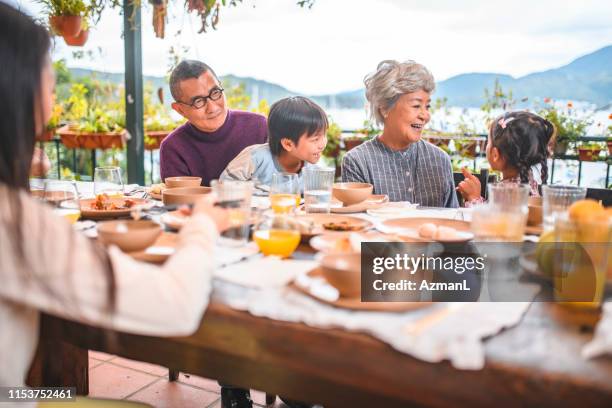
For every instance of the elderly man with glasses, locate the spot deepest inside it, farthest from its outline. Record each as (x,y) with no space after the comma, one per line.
(213,134)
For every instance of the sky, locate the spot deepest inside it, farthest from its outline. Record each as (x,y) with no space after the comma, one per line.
(331,47)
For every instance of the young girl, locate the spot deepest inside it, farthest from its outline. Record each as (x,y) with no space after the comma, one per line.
(517,142)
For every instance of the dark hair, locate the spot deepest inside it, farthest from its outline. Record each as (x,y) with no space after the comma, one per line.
(523,140)
(290,118)
(187,69)
(24,52)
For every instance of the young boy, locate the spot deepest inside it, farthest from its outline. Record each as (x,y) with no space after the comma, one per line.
(296,138)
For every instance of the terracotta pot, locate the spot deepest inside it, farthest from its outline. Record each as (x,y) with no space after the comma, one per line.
(66,25)
(80,140)
(439,142)
(46,136)
(588,154)
(610,147)
(77,40)
(153,139)
(352,143)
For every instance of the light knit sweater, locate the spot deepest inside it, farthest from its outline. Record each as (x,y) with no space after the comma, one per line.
(150,300)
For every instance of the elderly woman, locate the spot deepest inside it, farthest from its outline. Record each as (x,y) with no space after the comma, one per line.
(398,162)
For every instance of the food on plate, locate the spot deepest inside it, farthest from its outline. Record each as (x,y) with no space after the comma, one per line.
(427,230)
(341,226)
(104,203)
(439,232)
(157,188)
(446,233)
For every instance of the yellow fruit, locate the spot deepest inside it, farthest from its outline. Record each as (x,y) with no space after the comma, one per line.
(584,210)
(545,252)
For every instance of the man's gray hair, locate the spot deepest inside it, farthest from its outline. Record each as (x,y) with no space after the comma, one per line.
(391,80)
(187,69)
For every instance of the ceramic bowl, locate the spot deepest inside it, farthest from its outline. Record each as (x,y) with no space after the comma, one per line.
(352,193)
(129,235)
(184,195)
(343,271)
(183,181)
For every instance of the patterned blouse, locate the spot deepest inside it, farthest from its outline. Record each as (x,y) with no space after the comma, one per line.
(421,173)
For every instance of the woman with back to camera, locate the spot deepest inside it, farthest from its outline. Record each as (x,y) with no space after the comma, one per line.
(45,266)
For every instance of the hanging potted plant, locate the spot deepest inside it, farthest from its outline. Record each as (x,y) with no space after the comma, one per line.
(65,16)
(81,38)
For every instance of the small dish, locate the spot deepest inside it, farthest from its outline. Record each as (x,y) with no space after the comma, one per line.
(183,181)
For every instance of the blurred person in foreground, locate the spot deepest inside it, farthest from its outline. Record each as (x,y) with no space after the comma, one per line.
(45,265)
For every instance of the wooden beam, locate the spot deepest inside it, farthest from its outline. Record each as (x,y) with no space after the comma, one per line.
(134,105)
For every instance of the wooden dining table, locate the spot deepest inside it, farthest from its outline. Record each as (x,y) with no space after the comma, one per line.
(536,363)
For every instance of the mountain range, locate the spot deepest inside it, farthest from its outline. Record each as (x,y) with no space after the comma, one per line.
(587,78)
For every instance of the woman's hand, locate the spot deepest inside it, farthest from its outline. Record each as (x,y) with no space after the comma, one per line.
(470,186)
(40,163)
(220,216)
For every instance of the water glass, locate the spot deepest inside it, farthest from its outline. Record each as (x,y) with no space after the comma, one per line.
(556,200)
(509,196)
(318,184)
(64,197)
(234,195)
(285,192)
(107,180)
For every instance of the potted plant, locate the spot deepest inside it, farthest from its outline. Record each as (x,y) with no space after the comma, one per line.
(65,16)
(569,127)
(438,138)
(609,137)
(81,38)
(361,135)
(93,124)
(468,146)
(52,125)
(332,149)
(589,151)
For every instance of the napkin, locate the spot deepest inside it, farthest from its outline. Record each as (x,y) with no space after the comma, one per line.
(265,272)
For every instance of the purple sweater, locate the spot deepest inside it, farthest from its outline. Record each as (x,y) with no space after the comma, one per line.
(190,152)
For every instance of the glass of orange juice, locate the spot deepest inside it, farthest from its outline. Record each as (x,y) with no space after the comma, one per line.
(277,235)
(284,192)
(64,197)
(107,180)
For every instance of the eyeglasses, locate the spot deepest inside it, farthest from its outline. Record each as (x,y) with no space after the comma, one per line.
(200,101)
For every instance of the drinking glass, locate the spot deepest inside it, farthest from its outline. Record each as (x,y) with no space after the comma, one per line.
(64,197)
(107,180)
(556,200)
(581,260)
(278,235)
(492,223)
(285,192)
(509,196)
(236,196)
(318,184)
